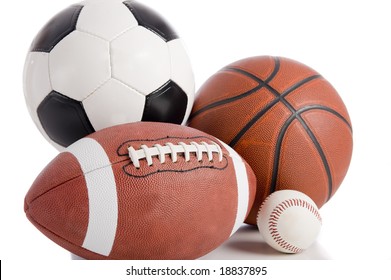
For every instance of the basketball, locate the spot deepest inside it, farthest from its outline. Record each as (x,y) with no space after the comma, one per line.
(285,120)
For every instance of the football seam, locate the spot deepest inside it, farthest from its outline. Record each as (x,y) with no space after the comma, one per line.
(53,188)
(175,171)
(161,151)
(159,139)
(125,145)
(76,177)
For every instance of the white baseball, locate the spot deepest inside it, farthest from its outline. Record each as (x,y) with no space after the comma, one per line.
(289,221)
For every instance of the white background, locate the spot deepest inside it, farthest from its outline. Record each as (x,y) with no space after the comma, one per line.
(348,42)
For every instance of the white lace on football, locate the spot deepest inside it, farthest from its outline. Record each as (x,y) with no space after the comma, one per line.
(160,151)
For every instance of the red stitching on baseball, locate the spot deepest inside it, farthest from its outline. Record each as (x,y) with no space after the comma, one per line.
(275,215)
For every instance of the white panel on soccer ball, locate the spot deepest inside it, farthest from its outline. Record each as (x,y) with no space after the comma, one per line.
(37,86)
(182,73)
(114,103)
(105,19)
(36,81)
(141,60)
(79,64)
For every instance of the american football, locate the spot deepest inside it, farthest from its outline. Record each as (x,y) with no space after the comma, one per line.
(142,191)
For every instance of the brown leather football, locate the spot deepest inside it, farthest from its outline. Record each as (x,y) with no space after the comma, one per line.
(142,191)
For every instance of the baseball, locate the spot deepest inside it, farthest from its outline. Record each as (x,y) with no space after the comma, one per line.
(289,221)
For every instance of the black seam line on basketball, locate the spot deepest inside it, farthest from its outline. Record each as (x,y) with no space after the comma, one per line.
(297,116)
(175,171)
(279,98)
(226,101)
(260,81)
(270,88)
(260,85)
(327,109)
(277,65)
(266,82)
(321,153)
(314,141)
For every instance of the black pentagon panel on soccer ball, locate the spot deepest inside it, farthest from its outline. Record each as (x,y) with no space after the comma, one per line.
(168,104)
(63,119)
(151,20)
(56,29)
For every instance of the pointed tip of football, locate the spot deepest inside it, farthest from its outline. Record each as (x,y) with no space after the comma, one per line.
(57,198)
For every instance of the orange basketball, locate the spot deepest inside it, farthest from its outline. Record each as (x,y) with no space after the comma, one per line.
(286,121)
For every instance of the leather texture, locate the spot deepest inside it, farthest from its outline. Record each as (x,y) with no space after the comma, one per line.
(170,210)
(285,120)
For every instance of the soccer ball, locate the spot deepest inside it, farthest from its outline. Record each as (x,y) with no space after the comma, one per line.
(102,63)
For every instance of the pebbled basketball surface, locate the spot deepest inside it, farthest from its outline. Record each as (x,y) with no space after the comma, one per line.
(98,204)
(285,119)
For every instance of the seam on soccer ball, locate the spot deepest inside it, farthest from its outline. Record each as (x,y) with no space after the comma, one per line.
(49,73)
(170,58)
(91,34)
(122,33)
(131,88)
(97,88)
